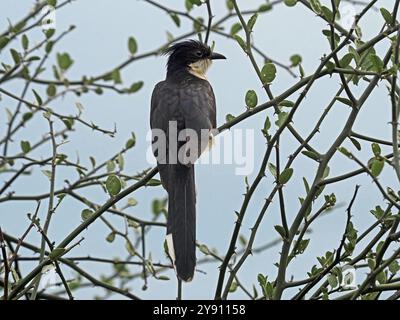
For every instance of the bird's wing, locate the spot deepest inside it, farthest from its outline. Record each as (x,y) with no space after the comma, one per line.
(199,112)
(198,105)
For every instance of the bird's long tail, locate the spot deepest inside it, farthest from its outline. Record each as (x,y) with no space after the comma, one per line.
(181,223)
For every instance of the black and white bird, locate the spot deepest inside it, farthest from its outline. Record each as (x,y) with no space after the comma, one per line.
(183,101)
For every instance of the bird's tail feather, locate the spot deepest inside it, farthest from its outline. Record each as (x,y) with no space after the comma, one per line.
(181,223)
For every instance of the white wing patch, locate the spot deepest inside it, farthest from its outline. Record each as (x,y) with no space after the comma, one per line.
(171,250)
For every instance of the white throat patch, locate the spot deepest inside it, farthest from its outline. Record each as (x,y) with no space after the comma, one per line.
(199,68)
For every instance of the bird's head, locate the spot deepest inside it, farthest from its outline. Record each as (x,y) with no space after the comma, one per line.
(193,56)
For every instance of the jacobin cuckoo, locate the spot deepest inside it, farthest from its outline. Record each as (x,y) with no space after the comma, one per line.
(184,102)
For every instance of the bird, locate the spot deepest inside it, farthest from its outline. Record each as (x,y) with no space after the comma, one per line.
(184,102)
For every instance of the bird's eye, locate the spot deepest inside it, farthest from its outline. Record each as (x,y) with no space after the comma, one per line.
(198,53)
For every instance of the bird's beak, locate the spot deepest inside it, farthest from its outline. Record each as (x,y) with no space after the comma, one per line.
(215,56)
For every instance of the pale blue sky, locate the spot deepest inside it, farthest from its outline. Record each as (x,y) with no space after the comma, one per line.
(100,42)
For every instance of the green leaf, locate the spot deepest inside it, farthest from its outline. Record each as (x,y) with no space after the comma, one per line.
(188,5)
(346,60)
(344,151)
(332,280)
(197,24)
(47,114)
(233,286)
(296,59)
(286,103)
(129,247)
(92,161)
(272,169)
(158,206)
(135,87)
(133,224)
(394,267)
(86,214)
(381,277)
(162,277)
(236,27)
(302,72)
(306,185)
(3,42)
(327,13)
(204,249)
(229,117)
(241,42)
(98,90)
(330,66)
(371,264)
(113,185)
(281,119)
(196,2)
(47,173)
(25,42)
(110,165)
(38,98)
(387,16)
(378,212)
(229,5)
(111,237)
(49,46)
(376,149)
(252,22)
(27,116)
(328,34)
(344,101)
(356,143)
(120,161)
(303,245)
(15,56)
(242,240)
(50,32)
(9,114)
(68,123)
(176,19)
(131,142)
(285,175)
(25,146)
(251,99)
(51,90)
(265,7)
(267,126)
(377,63)
(281,231)
(57,253)
(261,280)
(268,73)
(132,45)
(64,60)
(132,202)
(376,167)
(153,183)
(116,76)
(315,5)
(52,3)
(311,155)
(290,3)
